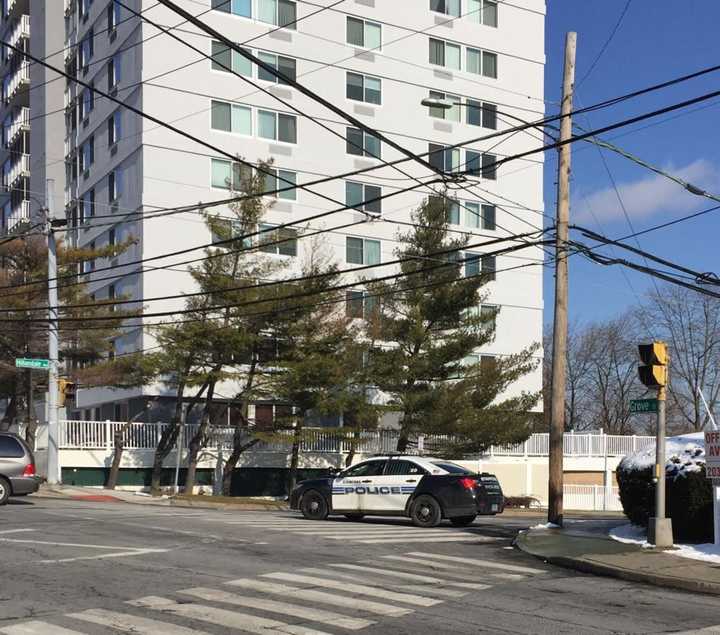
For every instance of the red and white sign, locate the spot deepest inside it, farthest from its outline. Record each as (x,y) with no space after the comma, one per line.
(712,454)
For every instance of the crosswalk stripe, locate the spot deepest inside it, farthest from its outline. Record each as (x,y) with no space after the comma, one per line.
(424,588)
(452,570)
(133,623)
(390,541)
(369,531)
(312,614)
(478,563)
(407,598)
(222,617)
(378,608)
(35,627)
(411,576)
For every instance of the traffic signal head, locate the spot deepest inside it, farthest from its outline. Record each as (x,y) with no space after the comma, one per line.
(653,373)
(66,389)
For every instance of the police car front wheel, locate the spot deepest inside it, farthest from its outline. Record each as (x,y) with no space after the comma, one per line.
(314,506)
(425,512)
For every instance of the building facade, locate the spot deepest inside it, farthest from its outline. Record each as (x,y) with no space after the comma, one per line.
(376,59)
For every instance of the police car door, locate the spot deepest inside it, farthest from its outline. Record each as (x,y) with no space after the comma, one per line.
(391,490)
(350,487)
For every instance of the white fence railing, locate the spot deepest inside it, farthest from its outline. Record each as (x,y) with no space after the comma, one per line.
(592,498)
(145,436)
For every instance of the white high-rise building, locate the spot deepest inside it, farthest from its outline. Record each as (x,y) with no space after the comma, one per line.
(375,59)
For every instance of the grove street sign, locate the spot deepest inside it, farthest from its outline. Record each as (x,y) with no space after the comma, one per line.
(39,364)
(643,405)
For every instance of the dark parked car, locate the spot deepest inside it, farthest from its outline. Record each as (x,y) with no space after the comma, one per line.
(17,468)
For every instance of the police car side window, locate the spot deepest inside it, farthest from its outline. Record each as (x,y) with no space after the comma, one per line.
(371,468)
(396,468)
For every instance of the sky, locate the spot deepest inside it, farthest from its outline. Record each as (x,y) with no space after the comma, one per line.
(657,40)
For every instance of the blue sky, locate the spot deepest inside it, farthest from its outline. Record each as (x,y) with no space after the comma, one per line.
(657,40)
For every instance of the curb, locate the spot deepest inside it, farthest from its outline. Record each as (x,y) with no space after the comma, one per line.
(596,568)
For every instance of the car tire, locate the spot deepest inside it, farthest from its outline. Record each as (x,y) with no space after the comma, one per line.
(354,517)
(4,490)
(314,506)
(425,511)
(462,521)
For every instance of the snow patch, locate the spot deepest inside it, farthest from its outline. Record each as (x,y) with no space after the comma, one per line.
(546,526)
(707,552)
(684,454)
(632,534)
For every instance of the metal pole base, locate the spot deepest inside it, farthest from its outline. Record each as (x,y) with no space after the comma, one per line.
(660,532)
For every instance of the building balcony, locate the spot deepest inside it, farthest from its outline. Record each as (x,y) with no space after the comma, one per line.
(18,170)
(20,31)
(20,123)
(16,81)
(19,214)
(16,8)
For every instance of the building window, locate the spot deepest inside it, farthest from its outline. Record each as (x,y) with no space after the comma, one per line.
(483,11)
(282,13)
(230,118)
(226,60)
(364,198)
(86,103)
(488,315)
(284,240)
(489,267)
(358,304)
(236,7)
(448,7)
(481,63)
(481,114)
(285,65)
(86,206)
(362,251)
(363,88)
(363,144)
(113,15)
(451,114)
(444,54)
(113,72)
(488,364)
(472,264)
(364,33)
(277,180)
(277,127)
(444,159)
(87,153)
(227,174)
(86,51)
(111,243)
(489,166)
(114,185)
(114,128)
(453,212)
(488,217)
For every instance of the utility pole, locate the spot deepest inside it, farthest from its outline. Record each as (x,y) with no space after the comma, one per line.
(53,456)
(560,320)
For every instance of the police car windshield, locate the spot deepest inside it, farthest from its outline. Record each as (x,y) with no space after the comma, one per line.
(453,468)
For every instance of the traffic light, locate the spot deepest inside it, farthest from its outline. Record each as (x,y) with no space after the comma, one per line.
(654,357)
(66,390)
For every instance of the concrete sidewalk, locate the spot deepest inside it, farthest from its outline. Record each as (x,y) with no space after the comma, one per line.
(594,552)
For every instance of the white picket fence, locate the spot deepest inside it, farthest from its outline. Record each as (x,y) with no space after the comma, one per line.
(591,498)
(98,435)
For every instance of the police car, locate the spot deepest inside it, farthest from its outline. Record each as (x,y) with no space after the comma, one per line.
(422,488)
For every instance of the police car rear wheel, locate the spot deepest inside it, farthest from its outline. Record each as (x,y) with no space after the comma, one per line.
(462,521)
(314,506)
(354,516)
(425,512)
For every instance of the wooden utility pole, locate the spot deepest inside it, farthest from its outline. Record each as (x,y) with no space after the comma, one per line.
(560,320)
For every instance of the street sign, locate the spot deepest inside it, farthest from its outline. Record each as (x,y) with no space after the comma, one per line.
(38,364)
(712,454)
(643,405)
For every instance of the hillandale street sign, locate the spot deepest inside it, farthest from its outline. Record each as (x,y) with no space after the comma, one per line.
(643,405)
(38,364)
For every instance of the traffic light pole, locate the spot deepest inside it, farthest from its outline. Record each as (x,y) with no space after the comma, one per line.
(660,528)
(560,318)
(53,455)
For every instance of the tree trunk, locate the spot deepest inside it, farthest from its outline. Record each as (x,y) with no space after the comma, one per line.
(168,439)
(119,446)
(353,448)
(403,441)
(10,414)
(229,467)
(199,439)
(295,453)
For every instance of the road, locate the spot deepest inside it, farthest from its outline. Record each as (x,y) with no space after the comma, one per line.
(73,567)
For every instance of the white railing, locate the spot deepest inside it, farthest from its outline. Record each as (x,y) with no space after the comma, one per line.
(18,77)
(19,168)
(592,498)
(20,30)
(18,214)
(20,121)
(144,436)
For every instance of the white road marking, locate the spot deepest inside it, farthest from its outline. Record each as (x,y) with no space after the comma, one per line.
(455,571)
(426,588)
(321,596)
(15,531)
(128,623)
(708,630)
(390,541)
(407,598)
(413,576)
(37,628)
(384,531)
(478,563)
(120,552)
(221,617)
(313,614)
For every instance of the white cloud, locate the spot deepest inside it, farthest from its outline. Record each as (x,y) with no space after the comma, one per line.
(651,195)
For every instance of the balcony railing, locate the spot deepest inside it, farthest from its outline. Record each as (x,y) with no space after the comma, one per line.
(18,79)
(20,30)
(20,123)
(20,168)
(18,214)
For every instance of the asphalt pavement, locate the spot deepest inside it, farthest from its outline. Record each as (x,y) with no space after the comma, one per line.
(73,567)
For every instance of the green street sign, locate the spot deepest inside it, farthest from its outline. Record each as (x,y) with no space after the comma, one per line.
(643,405)
(38,364)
